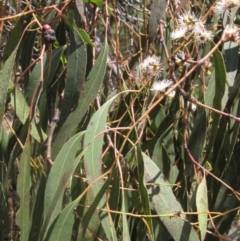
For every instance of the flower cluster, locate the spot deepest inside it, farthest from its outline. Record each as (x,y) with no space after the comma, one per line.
(222,5)
(182,58)
(231,33)
(189,23)
(149,65)
(161,85)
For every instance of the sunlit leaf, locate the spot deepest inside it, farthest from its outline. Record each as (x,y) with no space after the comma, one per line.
(165,203)
(59,176)
(23,189)
(202,207)
(90,90)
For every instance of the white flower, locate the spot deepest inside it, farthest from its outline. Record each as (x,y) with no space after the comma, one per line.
(198,27)
(187,19)
(172,94)
(161,85)
(231,33)
(222,5)
(149,64)
(179,33)
(201,34)
(181,58)
(192,106)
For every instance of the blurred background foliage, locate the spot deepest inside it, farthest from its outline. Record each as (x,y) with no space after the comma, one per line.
(119,120)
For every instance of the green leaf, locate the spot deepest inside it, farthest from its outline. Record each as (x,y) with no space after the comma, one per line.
(27,54)
(218,101)
(14,39)
(22,111)
(220,97)
(143,191)
(88,94)
(76,72)
(89,219)
(58,179)
(93,141)
(4,223)
(210,92)
(197,139)
(80,8)
(23,189)
(61,227)
(99,3)
(202,207)
(158,9)
(164,202)
(33,80)
(5,79)
(231,61)
(85,37)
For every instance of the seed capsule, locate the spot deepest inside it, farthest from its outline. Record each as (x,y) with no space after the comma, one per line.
(46,27)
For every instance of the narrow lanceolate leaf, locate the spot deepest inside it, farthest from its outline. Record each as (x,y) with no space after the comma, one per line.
(198,135)
(4,222)
(80,8)
(14,39)
(202,207)
(5,78)
(158,9)
(23,189)
(76,71)
(58,179)
(93,141)
(231,61)
(90,219)
(165,203)
(61,228)
(220,97)
(90,90)
(21,108)
(220,94)
(143,191)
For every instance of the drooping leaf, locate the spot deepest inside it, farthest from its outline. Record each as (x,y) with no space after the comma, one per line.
(61,228)
(221,92)
(88,94)
(158,9)
(85,37)
(22,111)
(220,97)
(93,141)
(27,54)
(4,223)
(99,3)
(14,39)
(58,179)
(80,8)
(202,207)
(76,71)
(231,60)
(5,79)
(164,202)
(143,190)
(89,218)
(23,189)
(197,139)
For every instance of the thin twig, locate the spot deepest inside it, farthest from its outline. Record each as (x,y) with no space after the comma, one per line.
(53,125)
(38,90)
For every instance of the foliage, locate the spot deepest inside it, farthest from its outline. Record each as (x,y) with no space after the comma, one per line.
(120,120)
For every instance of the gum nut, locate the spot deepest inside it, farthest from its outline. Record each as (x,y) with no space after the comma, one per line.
(46,27)
(51,32)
